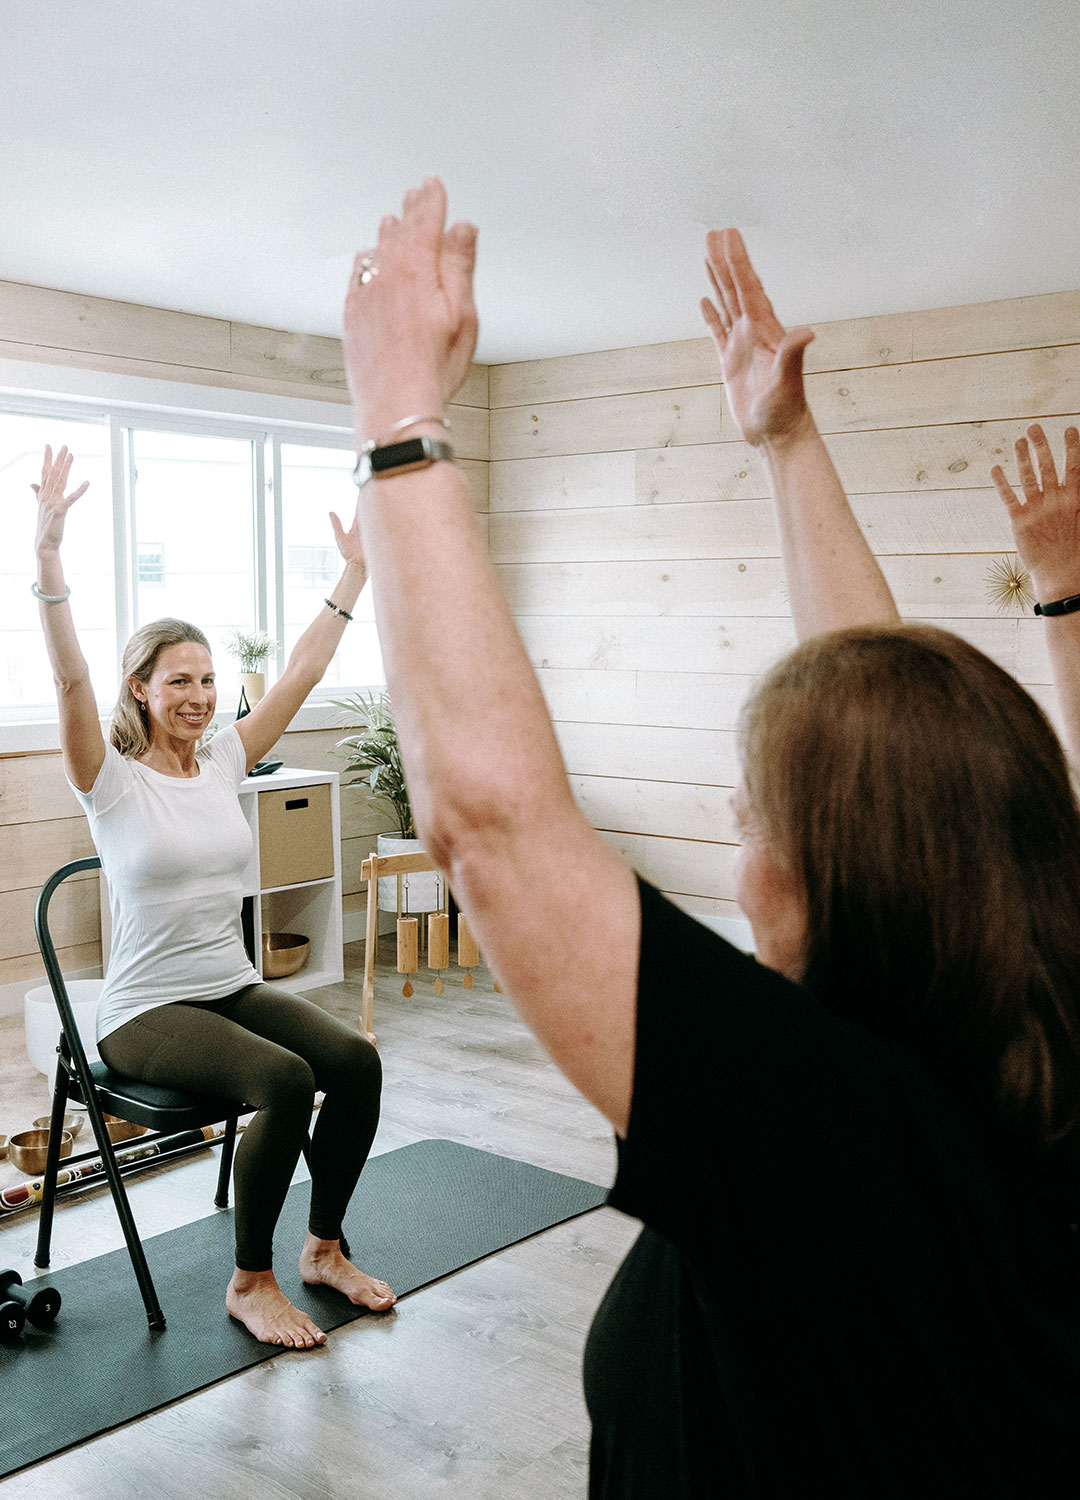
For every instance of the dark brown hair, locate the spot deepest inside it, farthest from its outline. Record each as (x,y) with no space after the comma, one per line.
(924,802)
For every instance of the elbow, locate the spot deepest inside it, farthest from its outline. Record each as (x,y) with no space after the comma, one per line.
(68,684)
(481,836)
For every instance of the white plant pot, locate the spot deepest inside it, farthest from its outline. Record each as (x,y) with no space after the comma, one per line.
(254,685)
(424,889)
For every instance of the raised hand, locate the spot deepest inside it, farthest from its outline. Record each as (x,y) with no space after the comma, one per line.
(1046,523)
(53,504)
(761,363)
(410,323)
(348,542)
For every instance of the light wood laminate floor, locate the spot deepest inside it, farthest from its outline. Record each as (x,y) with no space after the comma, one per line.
(470,1388)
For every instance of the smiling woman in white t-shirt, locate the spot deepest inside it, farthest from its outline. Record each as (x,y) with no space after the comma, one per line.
(182,1005)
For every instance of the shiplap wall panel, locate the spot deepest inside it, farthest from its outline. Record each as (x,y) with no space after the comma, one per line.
(637,752)
(658,808)
(944,457)
(892,338)
(41,318)
(691,867)
(902,522)
(643,567)
(667,644)
(66,328)
(692,700)
(34,788)
(652,419)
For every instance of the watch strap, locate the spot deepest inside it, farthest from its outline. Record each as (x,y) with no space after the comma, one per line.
(1059,606)
(387,459)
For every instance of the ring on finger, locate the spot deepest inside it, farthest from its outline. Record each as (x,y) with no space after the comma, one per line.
(368,270)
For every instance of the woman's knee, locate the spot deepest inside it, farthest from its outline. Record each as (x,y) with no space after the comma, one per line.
(283,1081)
(357,1066)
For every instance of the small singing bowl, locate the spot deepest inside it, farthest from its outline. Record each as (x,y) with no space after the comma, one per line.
(28,1149)
(122,1130)
(284,953)
(3,1147)
(72,1123)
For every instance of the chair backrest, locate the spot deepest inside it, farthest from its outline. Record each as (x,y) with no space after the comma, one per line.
(52,963)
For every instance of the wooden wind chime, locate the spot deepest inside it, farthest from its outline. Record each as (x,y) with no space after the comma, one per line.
(438,941)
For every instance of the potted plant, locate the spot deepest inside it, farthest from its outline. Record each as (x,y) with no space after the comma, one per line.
(251,648)
(374,752)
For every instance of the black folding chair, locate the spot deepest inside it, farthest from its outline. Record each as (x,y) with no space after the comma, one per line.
(164,1111)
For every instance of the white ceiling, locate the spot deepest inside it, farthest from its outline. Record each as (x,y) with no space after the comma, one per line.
(227,157)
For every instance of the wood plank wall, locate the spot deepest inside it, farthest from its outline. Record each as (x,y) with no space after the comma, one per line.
(633,534)
(41,824)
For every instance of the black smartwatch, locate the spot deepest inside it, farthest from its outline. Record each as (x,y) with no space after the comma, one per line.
(400,458)
(1060,606)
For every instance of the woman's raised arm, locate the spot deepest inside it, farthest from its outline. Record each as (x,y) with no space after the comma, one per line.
(1046,528)
(260,730)
(554,909)
(81,739)
(833,577)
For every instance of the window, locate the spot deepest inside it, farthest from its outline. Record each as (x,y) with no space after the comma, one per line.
(150,567)
(196,494)
(220,521)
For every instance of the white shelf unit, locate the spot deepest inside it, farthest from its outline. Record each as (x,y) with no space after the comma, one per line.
(310,907)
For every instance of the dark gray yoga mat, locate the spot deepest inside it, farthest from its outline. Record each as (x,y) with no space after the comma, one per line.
(419,1213)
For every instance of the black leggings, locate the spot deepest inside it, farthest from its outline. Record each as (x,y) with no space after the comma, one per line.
(271,1050)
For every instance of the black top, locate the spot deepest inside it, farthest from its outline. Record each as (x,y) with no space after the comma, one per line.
(845,1284)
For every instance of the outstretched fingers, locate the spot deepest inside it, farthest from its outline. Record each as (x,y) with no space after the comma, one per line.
(1008,496)
(749,292)
(714,323)
(423,219)
(457,262)
(1029,480)
(716,263)
(1044,456)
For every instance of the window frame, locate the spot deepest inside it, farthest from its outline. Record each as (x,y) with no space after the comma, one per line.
(266,430)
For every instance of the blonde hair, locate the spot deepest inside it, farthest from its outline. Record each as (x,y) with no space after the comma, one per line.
(924,802)
(128,721)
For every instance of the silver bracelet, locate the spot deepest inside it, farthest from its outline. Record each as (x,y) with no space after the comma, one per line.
(406,422)
(49,598)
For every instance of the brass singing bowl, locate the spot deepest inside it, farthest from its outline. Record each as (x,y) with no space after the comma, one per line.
(3,1147)
(284,953)
(122,1130)
(28,1149)
(72,1123)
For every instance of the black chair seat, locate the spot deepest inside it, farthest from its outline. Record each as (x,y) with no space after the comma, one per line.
(160,1108)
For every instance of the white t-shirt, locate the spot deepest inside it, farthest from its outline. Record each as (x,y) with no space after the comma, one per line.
(174,850)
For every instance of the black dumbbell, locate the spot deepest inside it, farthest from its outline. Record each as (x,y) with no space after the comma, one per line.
(40,1307)
(12,1318)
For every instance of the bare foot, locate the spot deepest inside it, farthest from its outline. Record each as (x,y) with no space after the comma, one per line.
(322,1264)
(255,1299)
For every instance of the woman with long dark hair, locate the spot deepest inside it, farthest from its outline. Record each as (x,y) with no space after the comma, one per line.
(855,1158)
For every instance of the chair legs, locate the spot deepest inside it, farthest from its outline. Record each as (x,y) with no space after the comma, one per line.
(228,1145)
(154,1315)
(52,1164)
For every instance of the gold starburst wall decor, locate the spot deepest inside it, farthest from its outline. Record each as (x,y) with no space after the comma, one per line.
(1008,584)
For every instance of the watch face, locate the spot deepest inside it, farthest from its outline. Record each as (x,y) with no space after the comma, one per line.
(400,455)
